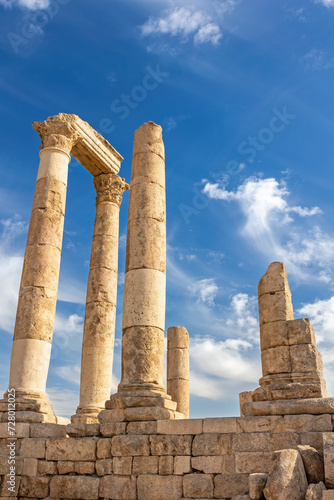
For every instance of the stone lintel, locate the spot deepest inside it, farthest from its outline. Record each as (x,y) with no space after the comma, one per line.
(89,147)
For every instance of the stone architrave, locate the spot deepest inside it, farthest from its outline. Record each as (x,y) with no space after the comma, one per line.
(178,367)
(100,313)
(61,136)
(141,394)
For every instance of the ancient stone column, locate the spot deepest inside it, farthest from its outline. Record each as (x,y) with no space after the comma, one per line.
(39,283)
(141,393)
(100,314)
(178,367)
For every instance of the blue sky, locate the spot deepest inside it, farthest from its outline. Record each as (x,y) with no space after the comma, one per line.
(244,93)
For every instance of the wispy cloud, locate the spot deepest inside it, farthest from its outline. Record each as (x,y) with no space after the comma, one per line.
(317,60)
(205,290)
(326,3)
(26,4)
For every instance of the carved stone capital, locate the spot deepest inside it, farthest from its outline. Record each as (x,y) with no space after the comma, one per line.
(109,187)
(57,131)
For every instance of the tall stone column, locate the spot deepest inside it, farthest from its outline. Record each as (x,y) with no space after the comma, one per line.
(39,283)
(178,367)
(141,394)
(100,314)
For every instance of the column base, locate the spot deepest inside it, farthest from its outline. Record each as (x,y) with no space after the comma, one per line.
(293,390)
(86,416)
(314,406)
(30,407)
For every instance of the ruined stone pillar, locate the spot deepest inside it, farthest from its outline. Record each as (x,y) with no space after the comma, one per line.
(178,367)
(39,283)
(100,314)
(141,393)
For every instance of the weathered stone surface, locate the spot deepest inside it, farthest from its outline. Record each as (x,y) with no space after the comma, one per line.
(208,465)
(251,462)
(47,430)
(287,478)
(71,449)
(21,430)
(211,444)
(166,465)
(171,445)
(193,426)
(142,427)
(328,495)
(259,441)
(313,439)
(112,429)
(130,445)
(75,487)
(229,485)
(103,448)
(177,338)
(104,467)
(65,467)
(258,424)
(276,360)
(284,441)
(274,280)
(34,487)
(159,487)
(182,465)
(315,491)
(275,306)
(29,467)
(316,406)
(328,440)
(33,447)
(224,425)
(305,423)
(47,468)
(118,487)
(145,465)
(87,468)
(122,465)
(148,413)
(198,485)
(313,463)
(257,483)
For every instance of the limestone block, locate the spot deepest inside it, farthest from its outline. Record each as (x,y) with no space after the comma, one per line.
(178,363)
(34,487)
(46,228)
(41,266)
(99,323)
(315,406)
(274,334)
(96,382)
(112,429)
(328,440)
(159,487)
(241,497)
(251,462)
(275,306)
(257,483)
(147,201)
(224,425)
(198,485)
(29,467)
(33,448)
(274,280)
(313,439)
(287,479)
(313,463)
(276,360)
(328,495)
(144,304)
(71,449)
(166,465)
(106,220)
(171,445)
(182,465)
(141,399)
(47,468)
(147,168)
(65,467)
(148,139)
(258,424)
(245,397)
(145,465)
(193,426)
(35,313)
(284,441)
(289,390)
(211,444)
(148,413)
(21,430)
(300,331)
(4,489)
(53,164)
(305,423)
(142,427)
(122,465)
(47,430)
(84,468)
(229,464)
(229,485)
(102,285)
(50,194)
(111,416)
(315,491)
(140,252)
(118,487)
(258,441)
(103,448)
(75,487)
(104,467)
(305,358)
(104,252)
(177,338)
(130,445)
(82,430)
(208,465)
(178,389)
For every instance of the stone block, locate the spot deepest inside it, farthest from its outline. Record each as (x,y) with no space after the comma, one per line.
(314,406)
(229,485)
(47,431)
(182,465)
(166,465)
(21,430)
(122,466)
(34,487)
(118,487)
(46,228)
(130,445)
(29,467)
(170,445)
(112,429)
(305,423)
(208,465)
(328,439)
(5,493)
(287,479)
(328,495)
(258,424)
(142,427)
(274,280)
(148,171)
(315,491)
(198,485)
(103,448)
(251,462)
(87,468)
(82,430)
(104,467)
(274,334)
(253,441)
(155,209)
(75,487)
(65,467)
(159,487)
(313,463)
(145,465)
(224,425)
(284,441)
(111,417)
(275,306)
(257,483)
(177,338)
(229,464)
(211,444)
(47,468)
(139,237)
(33,448)
(194,426)
(148,413)
(313,439)
(50,193)
(276,360)
(300,331)
(83,449)
(305,358)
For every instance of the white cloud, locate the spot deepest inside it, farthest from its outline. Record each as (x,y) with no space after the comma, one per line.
(326,3)
(68,372)
(68,331)
(184,22)
(244,317)
(317,59)
(64,401)
(27,4)
(321,314)
(205,290)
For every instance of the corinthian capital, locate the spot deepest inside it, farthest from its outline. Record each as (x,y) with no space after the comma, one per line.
(58,131)
(109,187)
